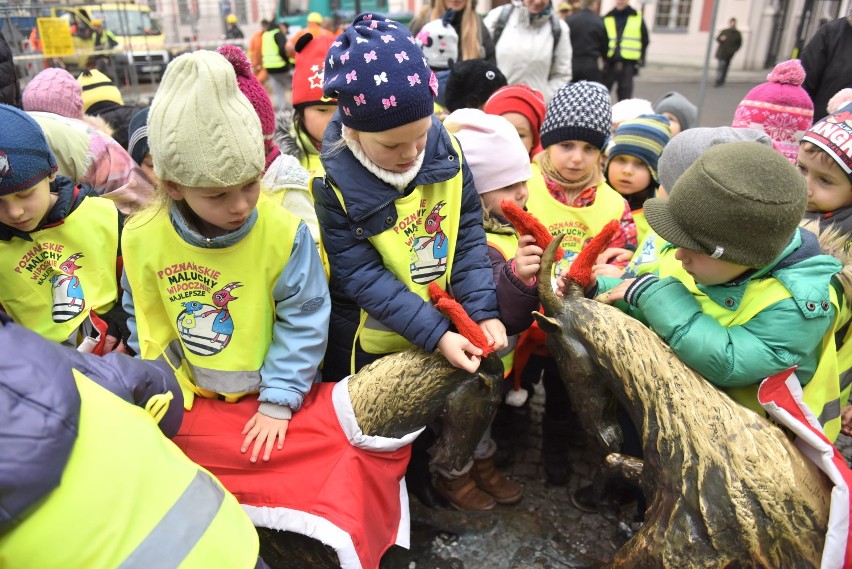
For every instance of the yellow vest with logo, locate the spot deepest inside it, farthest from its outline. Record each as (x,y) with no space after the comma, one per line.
(50,284)
(139,505)
(631,37)
(579,224)
(507,245)
(217,303)
(270,54)
(418,250)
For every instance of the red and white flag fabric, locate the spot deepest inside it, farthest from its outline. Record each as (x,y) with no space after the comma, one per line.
(781,396)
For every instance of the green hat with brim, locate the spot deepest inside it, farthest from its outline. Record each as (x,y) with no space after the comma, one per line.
(739,202)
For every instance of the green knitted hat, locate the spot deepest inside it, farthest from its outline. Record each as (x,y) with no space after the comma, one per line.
(739,202)
(202,131)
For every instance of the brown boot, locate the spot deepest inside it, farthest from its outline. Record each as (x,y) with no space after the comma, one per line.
(504,490)
(463,493)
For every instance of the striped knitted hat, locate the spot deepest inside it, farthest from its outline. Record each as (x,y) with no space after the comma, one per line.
(643,138)
(97,87)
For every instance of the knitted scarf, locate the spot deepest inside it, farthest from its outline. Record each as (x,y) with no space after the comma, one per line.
(564,190)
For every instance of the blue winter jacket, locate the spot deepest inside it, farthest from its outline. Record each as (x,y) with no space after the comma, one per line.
(358,277)
(40,409)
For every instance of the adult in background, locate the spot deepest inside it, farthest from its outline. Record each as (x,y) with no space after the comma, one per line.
(233,32)
(730,40)
(474,39)
(532,44)
(255,52)
(827,63)
(277,63)
(628,42)
(10,89)
(589,43)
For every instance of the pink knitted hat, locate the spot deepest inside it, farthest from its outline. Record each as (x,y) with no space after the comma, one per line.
(257,96)
(780,107)
(54,90)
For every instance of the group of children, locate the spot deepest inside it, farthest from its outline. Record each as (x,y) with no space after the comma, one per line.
(243,300)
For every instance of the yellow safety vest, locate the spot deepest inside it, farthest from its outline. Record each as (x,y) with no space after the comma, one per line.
(50,284)
(507,245)
(579,224)
(312,163)
(270,54)
(130,498)
(631,37)
(643,228)
(418,250)
(217,303)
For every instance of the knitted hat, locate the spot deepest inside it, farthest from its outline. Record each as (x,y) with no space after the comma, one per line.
(255,93)
(480,136)
(137,136)
(439,42)
(684,111)
(521,99)
(97,88)
(314,18)
(379,76)
(715,209)
(839,100)
(643,138)
(685,148)
(308,73)
(202,130)
(578,111)
(833,135)
(54,90)
(25,157)
(780,107)
(627,109)
(470,84)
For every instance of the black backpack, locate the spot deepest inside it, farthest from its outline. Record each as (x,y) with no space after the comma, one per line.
(504,17)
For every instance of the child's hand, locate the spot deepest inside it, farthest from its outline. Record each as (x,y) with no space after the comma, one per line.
(615,294)
(615,256)
(562,279)
(527,259)
(265,430)
(606,270)
(846,421)
(459,351)
(495,333)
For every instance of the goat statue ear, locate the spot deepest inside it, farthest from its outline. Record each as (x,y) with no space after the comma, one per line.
(548,324)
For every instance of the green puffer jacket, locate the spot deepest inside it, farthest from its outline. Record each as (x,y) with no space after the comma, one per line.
(787,333)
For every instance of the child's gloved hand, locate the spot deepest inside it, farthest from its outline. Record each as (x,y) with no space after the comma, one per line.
(263,430)
(495,333)
(527,259)
(460,352)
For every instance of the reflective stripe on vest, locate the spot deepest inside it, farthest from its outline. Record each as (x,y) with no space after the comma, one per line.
(142,505)
(507,245)
(630,47)
(217,302)
(50,284)
(270,53)
(578,223)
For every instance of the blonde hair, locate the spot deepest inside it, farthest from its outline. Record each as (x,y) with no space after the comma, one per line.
(470,43)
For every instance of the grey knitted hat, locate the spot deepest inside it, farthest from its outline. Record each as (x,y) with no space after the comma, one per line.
(578,111)
(685,148)
(744,219)
(684,111)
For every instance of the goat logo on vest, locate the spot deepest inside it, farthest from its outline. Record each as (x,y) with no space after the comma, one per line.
(68,298)
(206,330)
(430,263)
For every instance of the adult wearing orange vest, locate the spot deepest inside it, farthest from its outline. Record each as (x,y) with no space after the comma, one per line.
(314,28)
(255,53)
(628,42)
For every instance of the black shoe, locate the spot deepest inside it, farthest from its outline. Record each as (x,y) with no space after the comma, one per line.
(590,499)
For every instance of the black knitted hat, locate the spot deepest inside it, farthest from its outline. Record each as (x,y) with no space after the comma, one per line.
(578,111)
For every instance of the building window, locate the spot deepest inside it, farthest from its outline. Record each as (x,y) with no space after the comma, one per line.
(672,15)
(241,10)
(184,12)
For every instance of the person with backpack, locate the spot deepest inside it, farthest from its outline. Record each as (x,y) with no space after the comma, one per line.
(532,44)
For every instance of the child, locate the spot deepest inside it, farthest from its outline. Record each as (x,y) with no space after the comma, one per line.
(137,145)
(758,296)
(398,209)
(524,107)
(680,111)
(571,197)
(193,280)
(780,107)
(825,160)
(514,261)
(300,133)
(471,83)
(440,44)
(58,243)
(631,167)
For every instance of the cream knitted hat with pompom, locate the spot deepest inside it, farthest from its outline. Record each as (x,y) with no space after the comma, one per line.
(202,131)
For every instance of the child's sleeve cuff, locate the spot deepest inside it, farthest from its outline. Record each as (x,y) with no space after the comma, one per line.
(638,287)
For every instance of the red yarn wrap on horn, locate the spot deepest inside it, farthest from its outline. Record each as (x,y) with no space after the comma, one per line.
(581,268)
(526,224)
(454,311)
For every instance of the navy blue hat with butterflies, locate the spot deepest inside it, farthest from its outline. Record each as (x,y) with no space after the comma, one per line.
(379,76)
(25,157)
